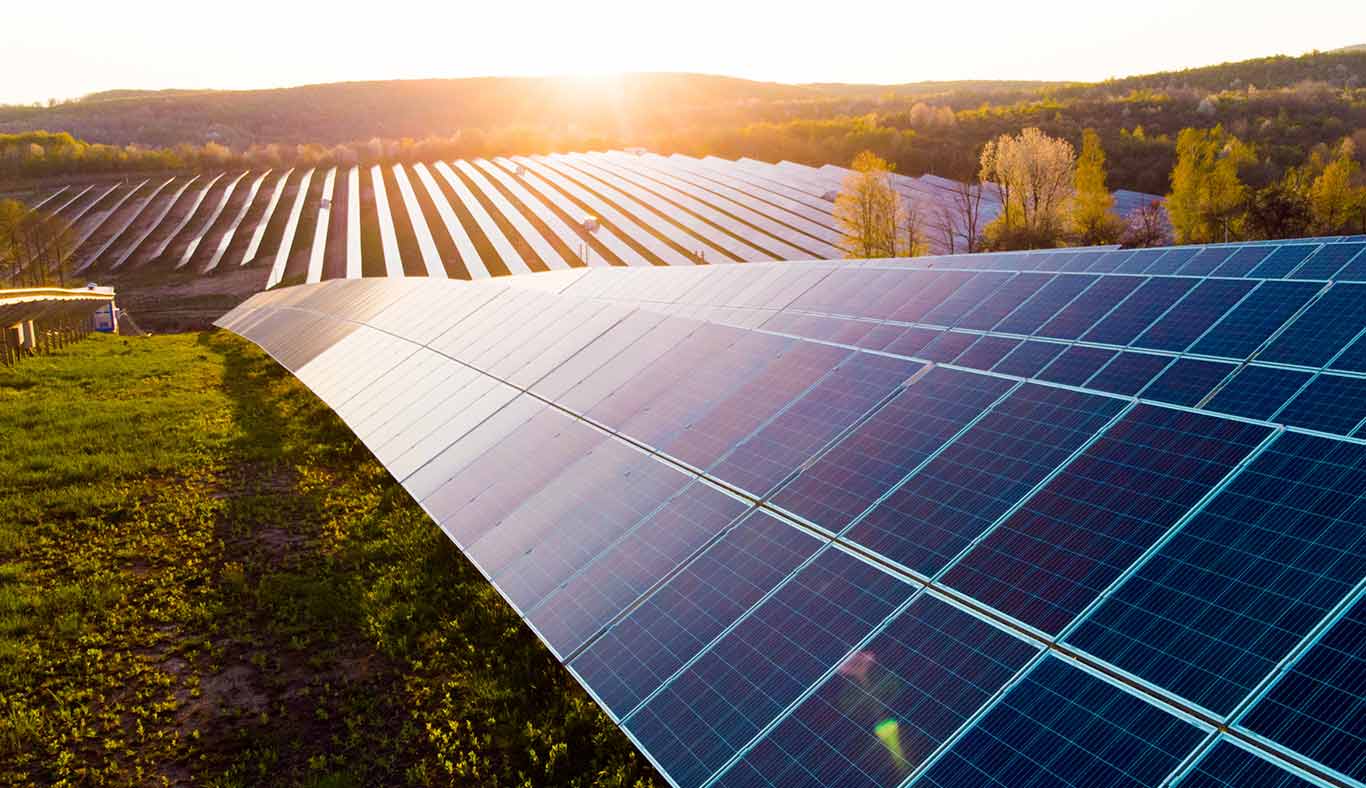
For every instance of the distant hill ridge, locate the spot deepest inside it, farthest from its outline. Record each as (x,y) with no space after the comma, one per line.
(329,114)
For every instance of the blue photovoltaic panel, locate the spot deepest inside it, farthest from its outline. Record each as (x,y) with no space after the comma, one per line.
(1061,726)
(1330,403)
(1141,308)
(1187,381)
(619,575)
(1257,392)
(1327,261)
(1194,314)
(1030,357)
(910,303)
(720,702)
(986,352)
(1173,260)
(1353,358)
(889,705)
(1075,536)
(1354,270)
(774,451)
(965,298)
(1050,298)
(1095,303)
(730,418)
(1229,766)
(1206,260)
(1282,261)
(1128,373)
(1241,262)
(1140,261)
(1317,707)
(995,307)
(1253,321)
(912,340)
(954,499)
(1109,262)
(929,295)
(556,532)
(946,347)
(1322,330)
(1076,365)
(676,622)
(883,449)
(1211,613)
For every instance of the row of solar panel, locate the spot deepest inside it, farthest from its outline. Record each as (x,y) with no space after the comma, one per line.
(1304,259)
(1159,338)
(720,635)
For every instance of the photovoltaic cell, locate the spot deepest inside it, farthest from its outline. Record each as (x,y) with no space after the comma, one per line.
(719,703)
(912,340)
(1173,260)
(1316,708)
(1321,331)
(1242,262)
(1061,726)
(674,624)
(1194,314)
(1258,392)
(1076,365)
(620,574)
(889,705)
(965,298)
(995,307)
(986,352)
(1050,298)
(955,498)
(1328,261)
(1230,766)
(1128,373)
(1254,320)
(883,449)
(1075,536)
(1284,259)
(1213,611)
(1330,403)
(1206,260)
(1187,381)
(946,347)
(775,450)
(1140,261)
(1030,357)
(1144,305)
(1095,303)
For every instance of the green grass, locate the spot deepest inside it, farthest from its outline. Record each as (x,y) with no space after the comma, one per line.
(206,579)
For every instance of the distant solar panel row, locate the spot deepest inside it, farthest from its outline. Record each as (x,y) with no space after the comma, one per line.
(787,533)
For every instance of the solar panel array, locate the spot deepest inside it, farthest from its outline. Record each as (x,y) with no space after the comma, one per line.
(988,520)
(479,218)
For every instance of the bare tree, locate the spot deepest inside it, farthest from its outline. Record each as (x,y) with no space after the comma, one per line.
(967,201)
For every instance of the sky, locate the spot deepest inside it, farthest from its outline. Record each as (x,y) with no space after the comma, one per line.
(154,44)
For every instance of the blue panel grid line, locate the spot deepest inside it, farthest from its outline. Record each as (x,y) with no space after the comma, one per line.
(1063,726)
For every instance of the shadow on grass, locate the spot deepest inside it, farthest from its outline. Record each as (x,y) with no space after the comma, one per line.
(362,647)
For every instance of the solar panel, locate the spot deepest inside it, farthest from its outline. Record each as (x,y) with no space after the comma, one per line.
(1316,706)
(1063,726)
(881,523)
(1213,611)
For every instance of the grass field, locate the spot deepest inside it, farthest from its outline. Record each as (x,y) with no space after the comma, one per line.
(206,580)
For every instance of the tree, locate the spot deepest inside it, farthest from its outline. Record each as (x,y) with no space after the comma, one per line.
(1092,217)
(1207,197)
(869,211)
(1147,226)
(912,242)
(1278,210)
(1035,174)
(1334,194)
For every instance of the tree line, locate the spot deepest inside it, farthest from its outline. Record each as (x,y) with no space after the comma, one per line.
(1050,196)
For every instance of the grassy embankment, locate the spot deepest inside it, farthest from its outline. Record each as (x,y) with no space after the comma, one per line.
(205,579)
